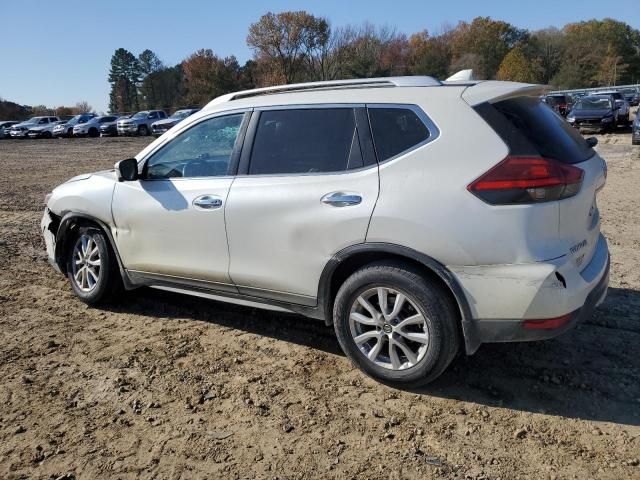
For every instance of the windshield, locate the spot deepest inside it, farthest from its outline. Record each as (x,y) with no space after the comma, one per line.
(593,103)
(556,100)
(140,115)
(75,119)
(181,114)
(33,120)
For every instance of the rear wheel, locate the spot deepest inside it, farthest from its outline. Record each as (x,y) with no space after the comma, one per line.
(396,325)
(92,268)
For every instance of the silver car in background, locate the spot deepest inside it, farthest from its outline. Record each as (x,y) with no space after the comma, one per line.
(21,130)
(140,123)
(161,126)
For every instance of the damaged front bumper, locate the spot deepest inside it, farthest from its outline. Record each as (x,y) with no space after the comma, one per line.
(49,228)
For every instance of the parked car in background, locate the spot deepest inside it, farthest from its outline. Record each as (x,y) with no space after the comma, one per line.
(559,102)
(624,109)
(5,126)
(161,126)
(635,131)
(91,128)
(21,130)
(140,123)
(110,129)
(594,112)
(632,96)
(65,129)
(419,219)
(43,131)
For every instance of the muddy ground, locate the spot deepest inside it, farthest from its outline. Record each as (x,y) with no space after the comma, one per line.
(169,387)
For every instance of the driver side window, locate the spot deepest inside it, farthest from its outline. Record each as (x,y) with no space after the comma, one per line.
(204,150)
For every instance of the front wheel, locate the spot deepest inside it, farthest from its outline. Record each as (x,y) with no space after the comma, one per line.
(143,131)
(92,268)
(395,324)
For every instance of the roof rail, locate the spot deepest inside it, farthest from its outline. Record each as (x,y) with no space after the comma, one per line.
(408,81)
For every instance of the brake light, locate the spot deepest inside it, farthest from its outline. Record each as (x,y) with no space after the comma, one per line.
(518,180)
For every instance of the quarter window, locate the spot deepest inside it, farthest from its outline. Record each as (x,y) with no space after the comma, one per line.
(396,130)
(305,141)
(202,151)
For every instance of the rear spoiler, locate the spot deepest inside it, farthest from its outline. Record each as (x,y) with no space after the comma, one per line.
(494,91)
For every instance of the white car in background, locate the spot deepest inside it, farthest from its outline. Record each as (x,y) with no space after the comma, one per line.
(43,131)
(91,128)
(5,126)
(21,130)
(66,129)
(417,217)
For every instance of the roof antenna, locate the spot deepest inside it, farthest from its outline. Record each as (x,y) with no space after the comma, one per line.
(461,76)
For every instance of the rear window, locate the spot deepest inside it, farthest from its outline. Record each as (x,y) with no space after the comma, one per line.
(395,130)
(529,127)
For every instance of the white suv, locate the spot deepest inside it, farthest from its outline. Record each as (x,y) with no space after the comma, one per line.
(414,215)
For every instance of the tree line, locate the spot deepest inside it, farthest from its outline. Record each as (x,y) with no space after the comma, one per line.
(297,46)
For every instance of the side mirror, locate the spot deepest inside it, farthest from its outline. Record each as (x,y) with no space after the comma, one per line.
(592,142)
(127,170)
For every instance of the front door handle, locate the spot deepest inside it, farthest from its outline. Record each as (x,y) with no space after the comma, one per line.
(207,202)
(341,199)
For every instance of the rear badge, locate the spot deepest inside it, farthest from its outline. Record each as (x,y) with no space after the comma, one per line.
(578,246)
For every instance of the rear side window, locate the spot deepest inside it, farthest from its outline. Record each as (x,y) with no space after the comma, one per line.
(396,130)
(529,127)
(305,141)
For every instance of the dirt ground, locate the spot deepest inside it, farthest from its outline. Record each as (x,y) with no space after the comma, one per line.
(169,387)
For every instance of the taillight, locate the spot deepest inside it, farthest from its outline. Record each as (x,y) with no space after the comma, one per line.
(527,180)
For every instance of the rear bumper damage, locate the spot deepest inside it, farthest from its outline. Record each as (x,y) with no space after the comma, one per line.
(532,305)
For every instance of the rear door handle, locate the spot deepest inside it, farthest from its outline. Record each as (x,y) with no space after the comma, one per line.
(341,199)
(207,202)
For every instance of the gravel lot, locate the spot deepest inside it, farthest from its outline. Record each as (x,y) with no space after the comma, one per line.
(165,386)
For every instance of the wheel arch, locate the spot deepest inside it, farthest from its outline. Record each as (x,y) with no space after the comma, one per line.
(348,260)
(69,223)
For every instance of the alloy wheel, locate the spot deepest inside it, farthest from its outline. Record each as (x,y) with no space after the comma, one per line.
(86,263)
(388,328)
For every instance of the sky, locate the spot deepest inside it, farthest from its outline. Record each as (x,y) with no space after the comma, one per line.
(58,52)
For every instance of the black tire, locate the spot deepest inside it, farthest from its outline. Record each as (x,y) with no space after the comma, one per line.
(143,131)
(441,322)
(93,133)
(47,135)
(109,282)
(70,133)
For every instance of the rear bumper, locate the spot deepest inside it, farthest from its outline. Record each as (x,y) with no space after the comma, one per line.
(493,331)
(516,303)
